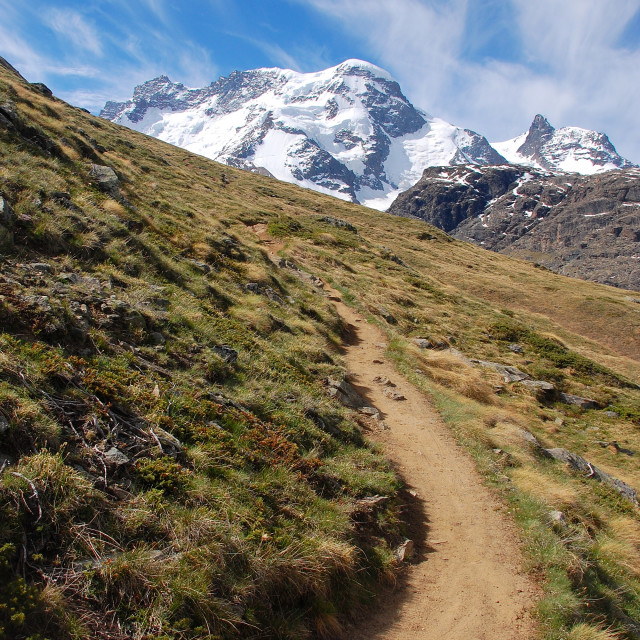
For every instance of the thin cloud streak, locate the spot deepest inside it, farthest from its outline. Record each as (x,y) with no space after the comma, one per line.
(570,67)
(74,28)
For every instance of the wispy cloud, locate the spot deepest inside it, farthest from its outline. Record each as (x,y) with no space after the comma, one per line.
(73,27)
(567,65)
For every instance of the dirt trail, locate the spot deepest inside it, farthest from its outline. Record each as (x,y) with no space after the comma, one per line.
(467,582)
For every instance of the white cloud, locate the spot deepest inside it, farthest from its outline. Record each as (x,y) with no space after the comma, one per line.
(570,66)
(71,25)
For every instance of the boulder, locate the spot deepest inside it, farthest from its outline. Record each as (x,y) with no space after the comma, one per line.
(578,463)
(516,348)
(345,393)
(42,89)
(422,343)
(577,401)
(7,215)
(542,390)
(228,354)
(115,457)
(509,373)
(106,180)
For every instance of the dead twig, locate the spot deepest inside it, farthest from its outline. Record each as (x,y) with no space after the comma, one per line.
(33,495)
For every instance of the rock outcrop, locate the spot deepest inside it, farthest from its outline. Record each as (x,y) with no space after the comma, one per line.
(582,226)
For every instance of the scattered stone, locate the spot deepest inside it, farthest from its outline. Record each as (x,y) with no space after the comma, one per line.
(6,238)
(345,393)
(618,449)
(4,424)
(106,180)
(578,463)
(611,414)
(157,339)
(253,287)
(516,348)
(367,411)
(544,391)
(582,403)
(336,222)
(166,438)
(559,421)
(160,303)
(41,302)
(558,518)
(283,263)
(388,317)
(203,267)
(422,343)
(370,502)
(7,215)
(376,361)
(228,354)
(39,267)
(135,320)
(404,551)
(393,395)
(5,460)
(115,457)
(509,373)
(383,380)
(530,438)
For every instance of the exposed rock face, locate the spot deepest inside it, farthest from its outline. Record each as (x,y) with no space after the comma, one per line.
(348,131)
(582,226)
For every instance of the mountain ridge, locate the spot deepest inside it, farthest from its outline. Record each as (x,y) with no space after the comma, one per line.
(568,149)
(347,130)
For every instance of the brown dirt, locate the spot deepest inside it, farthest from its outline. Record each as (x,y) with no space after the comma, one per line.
(466,581)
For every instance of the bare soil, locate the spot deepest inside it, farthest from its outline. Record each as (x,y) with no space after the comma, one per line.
(466,580)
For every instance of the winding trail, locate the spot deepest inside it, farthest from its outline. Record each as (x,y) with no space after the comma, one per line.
(466,581)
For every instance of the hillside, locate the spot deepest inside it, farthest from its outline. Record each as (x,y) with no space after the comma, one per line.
(581,226)
(172,463)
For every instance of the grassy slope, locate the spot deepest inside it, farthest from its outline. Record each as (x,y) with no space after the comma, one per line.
(252,526)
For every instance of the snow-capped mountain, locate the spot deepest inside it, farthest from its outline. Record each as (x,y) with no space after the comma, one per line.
(348,131)
(569,149)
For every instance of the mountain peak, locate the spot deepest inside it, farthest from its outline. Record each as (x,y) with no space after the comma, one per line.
(353,66)
(540,123)
(569,149)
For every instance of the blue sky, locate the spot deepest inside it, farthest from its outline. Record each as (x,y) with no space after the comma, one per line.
(488,65)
